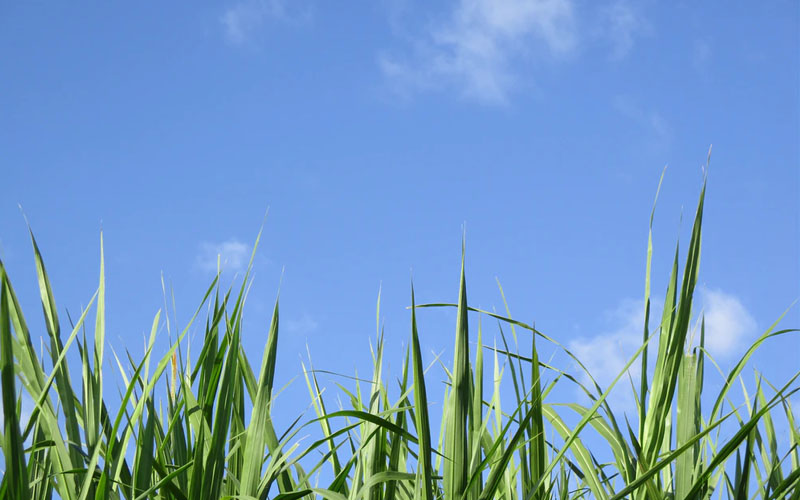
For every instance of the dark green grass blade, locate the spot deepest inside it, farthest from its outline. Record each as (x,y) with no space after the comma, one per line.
(785,487)
(536,430)
(214,469)
(143,467)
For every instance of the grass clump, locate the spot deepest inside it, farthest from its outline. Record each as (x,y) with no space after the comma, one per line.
(211,435)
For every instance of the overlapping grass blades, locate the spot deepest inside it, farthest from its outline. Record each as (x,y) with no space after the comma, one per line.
(203,429)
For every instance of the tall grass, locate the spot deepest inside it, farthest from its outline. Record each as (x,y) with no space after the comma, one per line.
(202,428)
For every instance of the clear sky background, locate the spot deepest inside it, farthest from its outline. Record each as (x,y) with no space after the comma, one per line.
(373,131)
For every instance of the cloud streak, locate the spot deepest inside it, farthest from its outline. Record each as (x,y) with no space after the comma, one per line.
(622,24)
(476,48)
(232,254)
(484,49)
(650,121)
(243,19)
(301,326)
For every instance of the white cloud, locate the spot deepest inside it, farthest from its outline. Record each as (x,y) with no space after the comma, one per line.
(243,19)
(233,255)
(728,323)
(606,354)
(623,23)
(304,325)
(477,47)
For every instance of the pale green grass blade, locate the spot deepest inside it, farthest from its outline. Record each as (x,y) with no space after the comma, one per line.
(688,423)
(164,481)
(737,369)
(38,387)
(260,416)
(398,449)
(15,478)
(500,465)
(674,329)
(381,478)
(421,410)
(318,403)
(374,453)
(111,473)
(733,443)
(94,380)
(63,384)
(623,455)
(647,475)
(769,449)
(581,453)
(456,446)
(103,487)
(589,415)
(646,329)
(794,433)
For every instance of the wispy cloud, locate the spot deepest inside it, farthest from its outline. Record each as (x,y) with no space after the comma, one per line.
(232,254)
(301,326)
(622,23)
(476,47)
(243,19)
(651,121)
(701,53)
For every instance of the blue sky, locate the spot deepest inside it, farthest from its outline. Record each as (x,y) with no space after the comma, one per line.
(374,131)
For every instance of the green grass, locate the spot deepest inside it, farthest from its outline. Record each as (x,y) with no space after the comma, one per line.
(203,429)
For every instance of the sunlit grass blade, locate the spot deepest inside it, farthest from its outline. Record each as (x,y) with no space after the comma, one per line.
(688,424)
(63,384)
(210,434)
(733,443)
(421,411)
(260,415)
(16,478)
(646,330)
(456,446)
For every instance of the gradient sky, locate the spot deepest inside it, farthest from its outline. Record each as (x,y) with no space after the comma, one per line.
(373,132)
